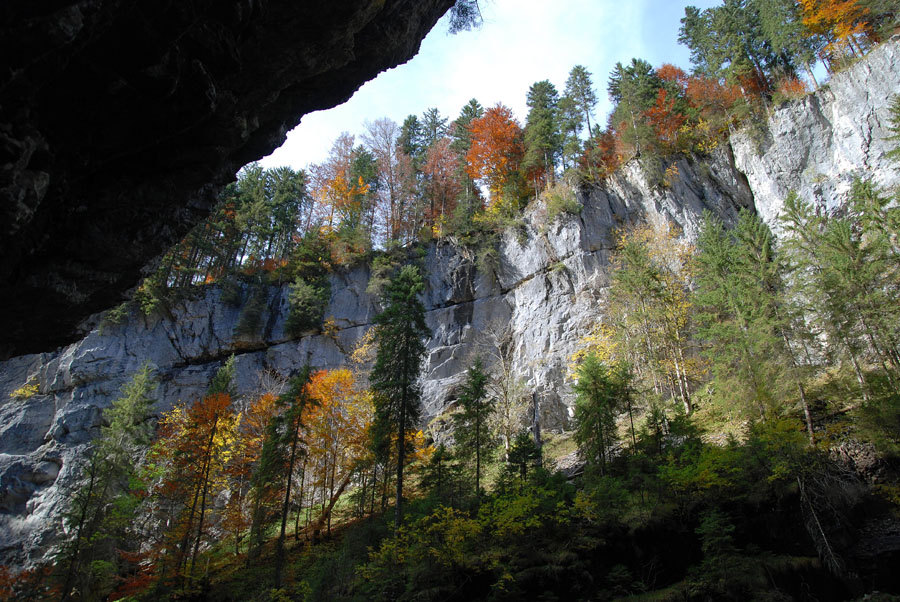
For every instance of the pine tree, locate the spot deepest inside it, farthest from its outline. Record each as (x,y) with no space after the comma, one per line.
(845,266)
(400,330)
(543,142)
(433,127)
(571,122)
(471,423)
(601,393)
(745,317)
(295,401)
(781,26)
(103,504)
(635,89)
(580,88)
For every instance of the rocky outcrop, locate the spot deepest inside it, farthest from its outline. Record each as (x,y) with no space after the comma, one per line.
(817,145)
(544,288)
(120,120)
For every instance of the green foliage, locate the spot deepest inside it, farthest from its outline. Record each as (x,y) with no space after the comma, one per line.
(580,91)
(382,269)
(523,453)
(464,16)
(306,307)
(399,336)
(249,323)
(103,503)
(601,392)
(894,127)
(560,200)
(879,422)
(118,314)
(223,381)
(543,140)
(470,424)
(844,267)
(232,294)
(603,501)
(745,316)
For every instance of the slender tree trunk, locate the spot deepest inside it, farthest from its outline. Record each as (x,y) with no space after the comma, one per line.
(401,457)
(205,488)
(279,550)
(477,454)
(300,496)
(82,518)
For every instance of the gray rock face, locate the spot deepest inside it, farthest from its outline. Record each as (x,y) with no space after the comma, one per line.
(819,144)
(545,290)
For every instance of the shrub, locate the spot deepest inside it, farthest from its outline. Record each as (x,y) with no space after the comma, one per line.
(560,200)
(26,391)
(231,292)
(251,316)
(789,88)
(307,307)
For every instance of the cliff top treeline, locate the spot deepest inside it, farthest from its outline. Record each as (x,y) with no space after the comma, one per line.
(431,178)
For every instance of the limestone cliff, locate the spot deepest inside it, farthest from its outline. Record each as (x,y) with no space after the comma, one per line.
(545,287)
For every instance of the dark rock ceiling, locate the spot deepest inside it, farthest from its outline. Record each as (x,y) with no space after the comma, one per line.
(121,119)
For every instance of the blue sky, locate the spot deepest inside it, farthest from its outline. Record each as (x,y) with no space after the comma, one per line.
(521,42)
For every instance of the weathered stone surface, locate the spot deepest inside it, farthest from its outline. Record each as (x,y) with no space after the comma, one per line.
(547,288)
(120,120)
(818,145)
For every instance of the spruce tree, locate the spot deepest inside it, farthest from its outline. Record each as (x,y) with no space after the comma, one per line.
(746,320)
(471,423)
(543,142)
(399,337)
(634,88)
(580,88)
(103,504)
(601,392)
(282,449)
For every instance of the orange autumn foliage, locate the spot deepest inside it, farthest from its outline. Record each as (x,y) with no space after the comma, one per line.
(713,100)
(602,155)
(245,454)
(443,184)
(838,20)
(664,120)
(670,73)
(193,447)
(497,148)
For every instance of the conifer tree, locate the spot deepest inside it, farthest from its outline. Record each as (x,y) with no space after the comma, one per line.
(104,503)
(745,316)
(635,89)
(461,136)
(399,336)
(471,423)
(580,88)
(543,142)
(601,393)
(844,267)
(433,127)
(282,448)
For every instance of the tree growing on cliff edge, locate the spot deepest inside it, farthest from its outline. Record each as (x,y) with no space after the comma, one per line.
(496,149)
(399,338)
(104,503)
